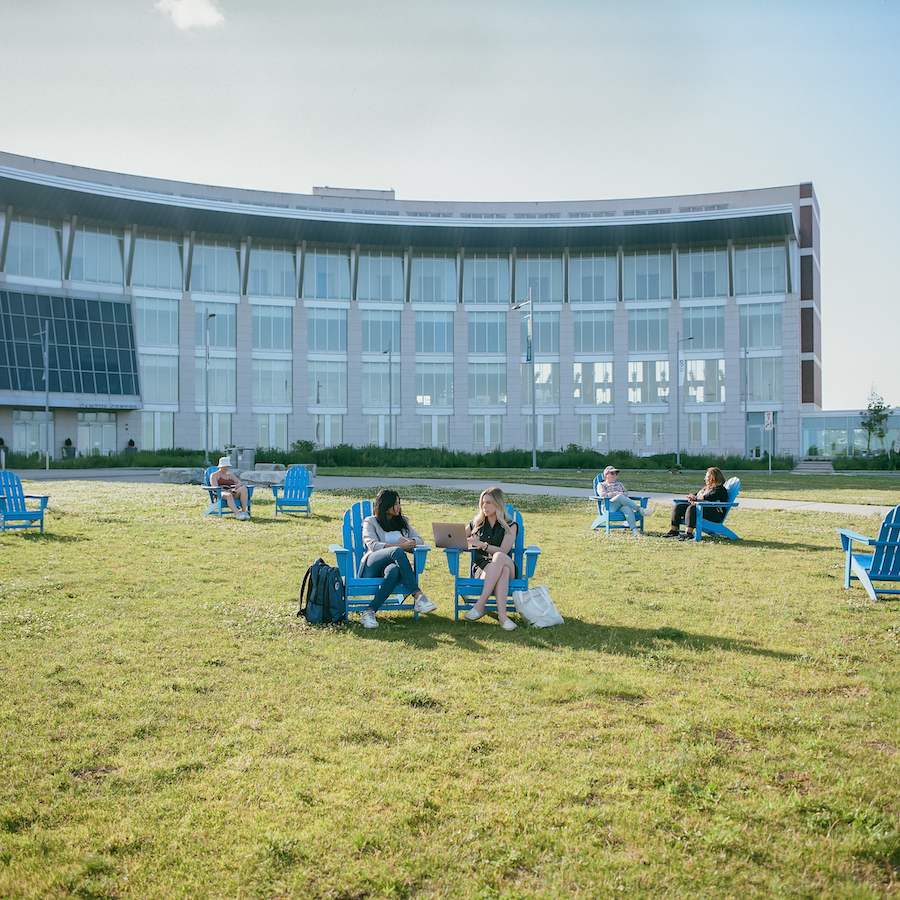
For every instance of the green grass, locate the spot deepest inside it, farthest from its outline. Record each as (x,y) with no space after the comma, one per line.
(713,720)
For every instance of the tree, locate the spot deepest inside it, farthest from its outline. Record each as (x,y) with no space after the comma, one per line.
(873,419)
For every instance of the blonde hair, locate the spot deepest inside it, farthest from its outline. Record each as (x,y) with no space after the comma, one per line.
(718,477)
(499,499)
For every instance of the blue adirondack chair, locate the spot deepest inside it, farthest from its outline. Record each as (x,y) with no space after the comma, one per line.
(733,486)
(13,508)
(216,503)
(468,588)
(612,519)
(293,495)
(882,564)
(360,591)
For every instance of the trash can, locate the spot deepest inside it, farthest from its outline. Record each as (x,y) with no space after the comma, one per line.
(242,458)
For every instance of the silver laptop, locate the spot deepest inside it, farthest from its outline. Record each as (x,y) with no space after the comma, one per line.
(450,535)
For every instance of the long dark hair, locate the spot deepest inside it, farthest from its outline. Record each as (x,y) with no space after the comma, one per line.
(386,499)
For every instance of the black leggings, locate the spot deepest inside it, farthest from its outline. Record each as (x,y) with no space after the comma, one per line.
(686,512)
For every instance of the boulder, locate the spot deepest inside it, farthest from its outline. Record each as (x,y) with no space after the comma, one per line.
(179,475)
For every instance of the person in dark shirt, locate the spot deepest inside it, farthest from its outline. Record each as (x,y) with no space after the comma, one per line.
(686,511)
(492,537)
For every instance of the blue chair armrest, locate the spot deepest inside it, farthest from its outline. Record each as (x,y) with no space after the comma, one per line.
(848,537)
(43,499)
(342,554)
(531,555)
(419,556)
(453,561)
(275,489)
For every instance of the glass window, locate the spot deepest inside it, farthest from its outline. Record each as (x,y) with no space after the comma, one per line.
(157,430)
(649,429)
(215,268)
(760,269)
(647,276)
(648,381)
(702,273)
(272,272)
(222,327)
(593,279)
(381,430)
(380,277)
(380,331)
(648,330)
(545,334)
(91,346)
(487,332)
(96,433)
(488,430)
(381,384)
(97,256)
(593,330)
(326,330)
(159,378)
(546,381)
(222,381)
(271,382)
(546,426)
(764,373)
(593,383)
(157,262)
(329,430)
(271,430)
(706,325)
(34,248)
(433,279)
(33,431)
(594,429)
(704,380)
(761,326)
(434,332)
(272,327)
(487,384)
(326,275)
(539,278)
(327,383)
(434,384)
(486,279)
(434,431)
(156,321)
(703,428)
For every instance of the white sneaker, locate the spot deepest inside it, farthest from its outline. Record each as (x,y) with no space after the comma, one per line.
(243,514)
(637,532)
(472,614)
(424,605)
(508,625)
(367,619)
(648,512)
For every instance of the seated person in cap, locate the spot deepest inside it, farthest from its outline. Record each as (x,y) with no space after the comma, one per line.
(613,490)
(231,488)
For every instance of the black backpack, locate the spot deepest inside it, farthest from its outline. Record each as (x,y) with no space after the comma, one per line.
(322,594)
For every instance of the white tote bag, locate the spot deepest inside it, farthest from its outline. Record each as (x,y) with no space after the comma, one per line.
(536,607)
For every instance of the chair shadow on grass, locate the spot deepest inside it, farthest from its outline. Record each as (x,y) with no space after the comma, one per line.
(576,634)
(737,545)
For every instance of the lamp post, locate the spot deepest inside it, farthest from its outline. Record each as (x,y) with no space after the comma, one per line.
(680,384)
(529,357)
(390,356)
(206,386)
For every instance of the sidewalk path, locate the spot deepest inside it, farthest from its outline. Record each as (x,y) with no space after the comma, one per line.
(329,482)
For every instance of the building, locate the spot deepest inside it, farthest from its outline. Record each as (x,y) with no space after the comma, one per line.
(349,316)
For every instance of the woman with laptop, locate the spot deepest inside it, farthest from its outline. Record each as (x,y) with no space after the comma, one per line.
(388,537)
(492,537)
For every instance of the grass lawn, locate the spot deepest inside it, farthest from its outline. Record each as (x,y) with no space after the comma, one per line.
(713,720)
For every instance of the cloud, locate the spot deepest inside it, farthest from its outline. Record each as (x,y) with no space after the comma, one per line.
(191,13)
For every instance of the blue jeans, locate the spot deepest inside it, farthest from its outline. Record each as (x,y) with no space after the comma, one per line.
(627,507)
(392,564)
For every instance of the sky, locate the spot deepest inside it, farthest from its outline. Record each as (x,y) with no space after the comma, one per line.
(496,100)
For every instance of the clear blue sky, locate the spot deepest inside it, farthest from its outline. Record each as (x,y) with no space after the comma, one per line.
(495,100)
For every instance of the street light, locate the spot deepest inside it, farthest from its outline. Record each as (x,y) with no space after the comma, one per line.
(390,356)
(529,357)
(206,429)
(680,384)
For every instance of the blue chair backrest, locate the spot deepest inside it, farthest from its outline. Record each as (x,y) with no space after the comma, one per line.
(886,558)
(352,530)
(733,485)
(11,488)
(296,482)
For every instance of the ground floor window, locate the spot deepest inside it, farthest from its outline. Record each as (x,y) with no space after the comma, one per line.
(219,431)
(649,429)
(157,430)
(33,431)
(546,431)
(703,428)
(594,428)
(434,431)
(271,430)
(381,430)
(96,433)
(761,440)
(329,430)
(488,431)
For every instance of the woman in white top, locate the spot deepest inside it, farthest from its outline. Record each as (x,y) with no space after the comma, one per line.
(388,537)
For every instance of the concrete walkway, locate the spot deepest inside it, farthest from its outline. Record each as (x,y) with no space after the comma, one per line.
(329,482)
